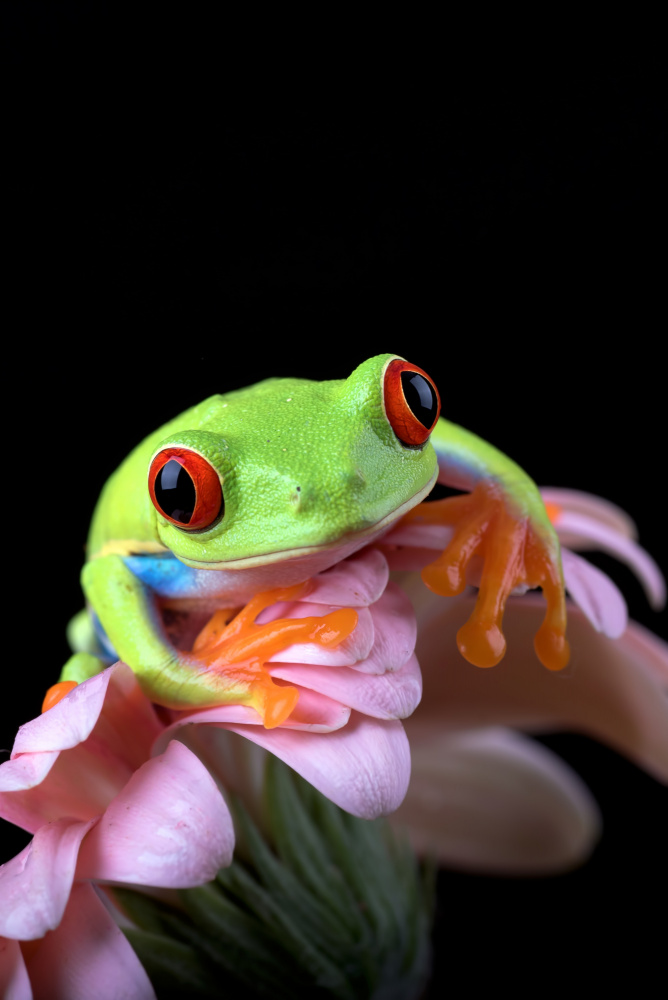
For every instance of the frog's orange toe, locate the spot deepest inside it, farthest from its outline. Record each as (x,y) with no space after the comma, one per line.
(333,628)
(56,693)
(444,577)
(238,650)
(551,647)
(481,643)
(550,641)
(278,705)
(447,574)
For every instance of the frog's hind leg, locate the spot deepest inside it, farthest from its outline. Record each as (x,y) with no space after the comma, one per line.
(81,635)
(86,635)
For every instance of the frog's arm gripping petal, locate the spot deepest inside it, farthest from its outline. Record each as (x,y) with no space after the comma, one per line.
(503,520)
(227,663)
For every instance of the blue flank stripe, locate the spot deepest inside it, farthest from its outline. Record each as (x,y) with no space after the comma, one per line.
(167,576)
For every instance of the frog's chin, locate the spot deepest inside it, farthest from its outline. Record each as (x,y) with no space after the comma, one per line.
(306,561)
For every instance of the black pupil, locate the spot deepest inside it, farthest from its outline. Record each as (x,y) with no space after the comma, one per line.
(421,397)
(175,492)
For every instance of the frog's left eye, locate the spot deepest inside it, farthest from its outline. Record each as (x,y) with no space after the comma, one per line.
(185,488)
(412,403)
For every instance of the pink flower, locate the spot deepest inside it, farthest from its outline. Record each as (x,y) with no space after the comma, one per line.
(353,694)
(82,777)
(82,780)
(585,522)
(86,957)
(490,799)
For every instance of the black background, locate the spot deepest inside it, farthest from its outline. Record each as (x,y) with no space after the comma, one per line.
(178,226)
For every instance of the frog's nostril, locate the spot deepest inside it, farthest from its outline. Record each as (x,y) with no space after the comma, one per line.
(297,497)
(353,478)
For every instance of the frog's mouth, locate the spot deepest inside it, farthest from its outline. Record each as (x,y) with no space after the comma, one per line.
(347,543)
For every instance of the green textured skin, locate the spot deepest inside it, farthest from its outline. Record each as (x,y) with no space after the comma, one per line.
(465,459)
(304,466)
(330,439)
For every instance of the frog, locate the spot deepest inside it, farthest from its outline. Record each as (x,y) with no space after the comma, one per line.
(240,501)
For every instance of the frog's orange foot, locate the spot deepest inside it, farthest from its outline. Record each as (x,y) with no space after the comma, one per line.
(56,693)
(514,554)
(239,649)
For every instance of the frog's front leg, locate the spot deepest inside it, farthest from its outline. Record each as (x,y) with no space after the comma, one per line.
(503,521)
(226,665)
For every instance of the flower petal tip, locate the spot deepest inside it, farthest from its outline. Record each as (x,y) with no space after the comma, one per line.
(595,594)
(492,801)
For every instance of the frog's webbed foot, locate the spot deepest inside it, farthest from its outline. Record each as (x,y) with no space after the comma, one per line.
(516,552)
(234,652)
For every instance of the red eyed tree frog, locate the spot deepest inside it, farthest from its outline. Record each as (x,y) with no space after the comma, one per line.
(237,502)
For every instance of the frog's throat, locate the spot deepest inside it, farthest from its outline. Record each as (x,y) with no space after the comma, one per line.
(359,538)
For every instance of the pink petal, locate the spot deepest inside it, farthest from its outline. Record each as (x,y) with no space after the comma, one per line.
(24,771)
(240,714)
(14,981)
(648,649)
(317,713)
(417,534)
(493,801)
(613,690)
(585,533)
(169,827)
(364,768)
(35,885)
(383,639)
(73,759)
(407,559)
(356,582)
(313,712)
(237,766)
(68,723)
(411,545)
(390,696)
(602,511)
(128,723)
(111,703)
(87,957)
(595,594)
(395,631)
(80,783)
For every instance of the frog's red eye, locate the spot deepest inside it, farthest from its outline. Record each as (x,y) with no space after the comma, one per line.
(412,403)
(185,488)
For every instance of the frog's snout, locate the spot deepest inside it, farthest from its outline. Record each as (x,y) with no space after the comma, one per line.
(346,483)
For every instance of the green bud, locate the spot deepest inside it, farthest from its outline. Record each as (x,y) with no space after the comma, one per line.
(324,905)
